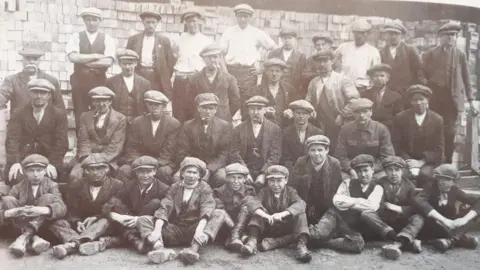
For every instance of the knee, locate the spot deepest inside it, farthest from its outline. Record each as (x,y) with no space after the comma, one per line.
(417,220)
(9,202)
(46,199)
(145,221)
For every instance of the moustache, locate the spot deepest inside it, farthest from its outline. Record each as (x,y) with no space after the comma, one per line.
(31,66)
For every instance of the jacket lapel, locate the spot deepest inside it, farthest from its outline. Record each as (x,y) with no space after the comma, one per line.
(112,124)
(91,125)
(215,132)
(104,190)
(265,137)
(203,81)
(30,121)
(177,201)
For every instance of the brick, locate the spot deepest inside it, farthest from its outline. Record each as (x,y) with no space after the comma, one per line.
(20,15)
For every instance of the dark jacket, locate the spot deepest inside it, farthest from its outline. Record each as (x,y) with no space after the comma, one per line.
(288,201)
(384,110)
(292,148)
(230,200)
(297,63)
(403,197)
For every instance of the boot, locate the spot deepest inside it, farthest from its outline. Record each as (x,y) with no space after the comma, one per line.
(250,248)
(303,254)
(136,242)
(235,243)
(62,251)
(161,255)
(392,251)
(415,246)
(190,255)
(19,247)
(347,244)
(94,247)
(442,244)
(39,245)
(467,241)
(279,242)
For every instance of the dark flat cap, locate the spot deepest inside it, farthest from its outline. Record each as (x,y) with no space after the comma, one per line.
(274,62)
(206,99)
(395,26)
(448,171)
(40,84)
(301,104)
(393,161)
(379,67)
(317,139)
(276,171)
(360,104)
(243,8)
(101,92)
(35,160)
(256,101)
(95,160)
(362,160)
(361,26)
(236,168)
(127,54)
(150,14)
(211,49)
(324,54)
(288,31)
(145,162)
(155,96)
(317,37)
(449,28)
(419,89)
(195,162)
(191,12)
(31,52)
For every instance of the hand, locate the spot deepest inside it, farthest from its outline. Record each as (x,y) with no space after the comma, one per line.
(288,114)
(339,120)
(459,222)
(250,180)
(89,221)
(269,219)
(311,212)
(278,217)
(15,212)
(270,110)
(130,222)
(353,174)
(154,236)
(413,163)
(473,109)
(389,206)
(448,224)
(15,170)
(260,181)
(51,171)
(201,238)
(80,227)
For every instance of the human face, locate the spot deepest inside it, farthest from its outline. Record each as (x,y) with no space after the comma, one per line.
(192,24)
(30,64)
(102,104)
(448,39)
(145,176)
(444,184)
(256,113)
(419,103)
(236,180)
(91,23)
(155,109)
(360,38)
(394,174)
(300,117)
(207,112)
(128,67)
(365,174)
(380,79)
(317,153)
(363,116)
(191,175)
(274,73)
(394,38)
(324,66)
(39,97)
(35,174)
(243,19)
(277,183)
(288,42)
(96,174)
(150,25)
(321,45)
(212,61)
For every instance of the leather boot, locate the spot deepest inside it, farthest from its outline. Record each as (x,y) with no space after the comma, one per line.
(94,247)
(392,251)
(190,255)
(39,245)
(442,244)
(235,243)
(303,254)
(279,242)
(161,255)
(19,247)
(250,248)
(349,244)
(62,251)
(467,241)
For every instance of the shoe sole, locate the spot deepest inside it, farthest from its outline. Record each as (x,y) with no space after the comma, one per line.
(189,257)
(305,258)
(159,257)
(265,245)
(19,253)
(59,253)
(235,246)
(40,247)
(247,252)
(392,254)
(91,248)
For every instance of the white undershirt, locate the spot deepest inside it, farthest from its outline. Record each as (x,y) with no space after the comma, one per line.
(147,51)
(420,118)
(256,129)
(393,51)
(35,190)
(129,83)
(38,113)
(273,90)
(286,54)
(101,120)
(94,191)
(301,135)
(187,192)
(155,125)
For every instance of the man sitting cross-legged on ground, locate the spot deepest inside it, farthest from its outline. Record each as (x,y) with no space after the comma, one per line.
(444,223)
(278,216)
(137,198)
(86,230)
(317,177)
(231,197)
(31,204)
(186,216)
(397,212)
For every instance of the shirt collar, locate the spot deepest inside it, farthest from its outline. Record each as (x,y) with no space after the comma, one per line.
(366,128)
(40,109)
(148,188)
(189,187)
(101,114)
(318,167)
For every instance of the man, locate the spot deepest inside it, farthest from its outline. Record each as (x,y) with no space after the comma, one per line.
(31,205)
(418,136)
(403,58)
(86,229)
(186,216)
(36,128)
(316,177)
(448,76)
(363,136)
(92,53)
(188,47)
(321,42)
(212,79)
(398,211)
(257,142)
(128,87)
(386,102)
(329,93)
(295,61)
(278,216)
(137,198)
(155,135)
(295,136)
(444,224)
(156,55)
(102,130)
(208,138)
(232,197)
(241,45)
(354,58)
(14,87)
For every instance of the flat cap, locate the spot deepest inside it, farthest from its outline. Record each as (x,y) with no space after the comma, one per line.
(35,160)
(40,84)
(91,11)
(275,62)
(362,160)
(236,168)
(155,96)
(318,37)
(379,67)
(419,89)
(206,99)
(150,14)
(446,171)
(301,104)
(276,171)
(243,8)
(317,139)
(360,104)
(288,31)
(144,162)
(393,160)
(361,26)
(95,160)
(324,54)
(101,92)
(195,162)
(127,54)
(395,26)
(449,28)
(211,49)
(31,52)
(256,101)
(191,12)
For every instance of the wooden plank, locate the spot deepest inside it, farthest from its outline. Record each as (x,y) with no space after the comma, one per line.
(11,5)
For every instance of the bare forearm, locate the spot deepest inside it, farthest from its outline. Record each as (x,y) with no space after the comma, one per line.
(201,225)
(79,58)
(104,62)
(158,225)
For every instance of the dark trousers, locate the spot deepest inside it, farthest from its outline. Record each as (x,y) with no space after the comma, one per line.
(149,74)
(63,230)
(147,210)
(382,223)
(332,225)
(246,78)
(433,230)
(182,106)
(291,225)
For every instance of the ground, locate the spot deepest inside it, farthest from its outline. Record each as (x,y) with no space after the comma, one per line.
(215,257)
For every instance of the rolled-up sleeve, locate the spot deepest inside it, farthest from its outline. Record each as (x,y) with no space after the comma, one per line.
(110,47)
(73,44)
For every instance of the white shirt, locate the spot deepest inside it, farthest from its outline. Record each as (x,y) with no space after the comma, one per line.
(393,51)
(101,120)
(94,191)
(187,193)
(381,93)
(35,190)
(343,201)
(420,118)
(287,54)
(273,90)
(189,48)
(146,59)
(38,113)
(73,44)
(147,189)
(128,82)
(301,135)
(256,129)
(242,45)
(155,125)
(211,76)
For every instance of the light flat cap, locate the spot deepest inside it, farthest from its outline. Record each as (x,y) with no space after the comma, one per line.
(276,171)
(150,14)
(317,139)
(379,67)
(245,8)
(123,54)
(236,168)
(318,37)
(95,160)
(275,62)
(256,101)
(31,52)
(393,161)
(446,171)
(301,104)
(191,12)
(362,160)
(91,11)
(155,96)
(195,162)
(449,28)
(360,104)
(324,54)
(288,31)
(211,49)
(206,99)
(147,162)
(40,85)
(35,160)
(361,26)
(396,27)
(419,89)
(101,92)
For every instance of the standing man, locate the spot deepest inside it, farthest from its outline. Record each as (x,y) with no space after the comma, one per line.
(156,55)
(92,53)
(354,58)
(448,77)
(321,42)
(241,44)
(128,87)
(14,87)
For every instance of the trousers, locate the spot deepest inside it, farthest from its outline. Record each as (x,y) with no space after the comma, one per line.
(409,226)
(63,230)
(291,225)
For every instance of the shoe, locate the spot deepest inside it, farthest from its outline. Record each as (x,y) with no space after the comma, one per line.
(274,243)
(235,245)
(91,248)
(467,241)
(250,248)
(189,255)
(415,246)
(391,251)
(19,246)
(442,244)
(161,255)
(62,251)
(110,242)
(39,245)
(303,254)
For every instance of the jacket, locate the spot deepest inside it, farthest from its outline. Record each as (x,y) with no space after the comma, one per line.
(288,201)
(292,148)
(298,63)
(384,110)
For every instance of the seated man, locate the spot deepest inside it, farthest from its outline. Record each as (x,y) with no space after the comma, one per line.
(155,135)
(438,205)
(257,142)
(278,216)
(363,136)
(86,229)
(30,205)
(208,138)
(317,177)
(418,136)
(137,198)
(102,130)
(397,212)
(231,197)
(36,128)
(186,216)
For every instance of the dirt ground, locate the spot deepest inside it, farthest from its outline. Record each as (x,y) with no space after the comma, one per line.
(215,257)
